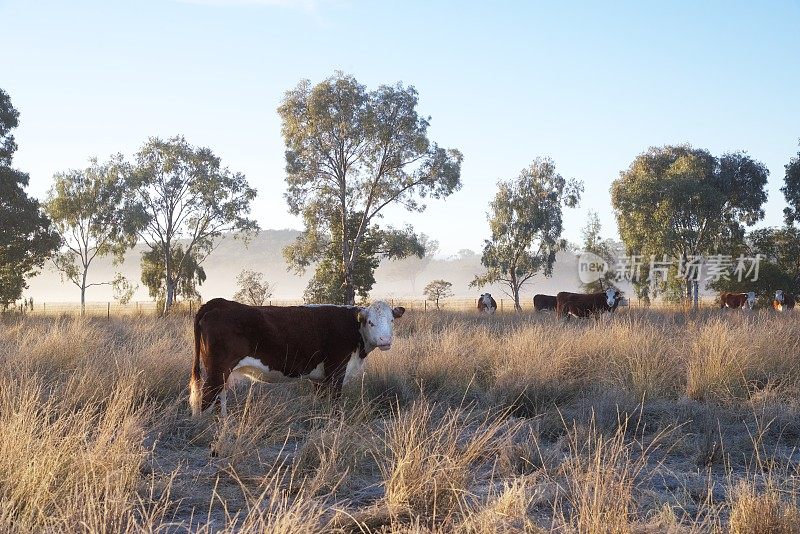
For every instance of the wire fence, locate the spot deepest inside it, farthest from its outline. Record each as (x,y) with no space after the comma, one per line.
(151,308)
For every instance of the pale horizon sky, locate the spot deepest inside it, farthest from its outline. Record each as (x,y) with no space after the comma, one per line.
(591,85)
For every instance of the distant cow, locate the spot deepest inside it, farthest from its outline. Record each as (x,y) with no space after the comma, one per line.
(783,301)
(544,302)
(744,301)
(486,304)
(327,344)
(587,305)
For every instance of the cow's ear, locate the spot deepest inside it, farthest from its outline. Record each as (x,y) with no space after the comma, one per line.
(398,312)
(361,317)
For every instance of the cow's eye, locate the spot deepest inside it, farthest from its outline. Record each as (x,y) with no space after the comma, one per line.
(371,323)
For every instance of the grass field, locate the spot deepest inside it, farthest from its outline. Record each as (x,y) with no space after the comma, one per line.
(653,421)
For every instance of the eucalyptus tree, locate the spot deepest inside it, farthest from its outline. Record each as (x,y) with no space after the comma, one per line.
(350,154)
(683,202)
(26,235)
(253,288)
(180,201)
(603,248)
(437,290)
(525,221)
(86,207)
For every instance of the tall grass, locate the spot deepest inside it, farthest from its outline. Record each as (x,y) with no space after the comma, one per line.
(649,421)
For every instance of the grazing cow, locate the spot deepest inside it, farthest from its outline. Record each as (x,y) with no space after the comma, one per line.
(544,302)
(486,304)
(587,305)
(783,301)
(744,301)
(327,344)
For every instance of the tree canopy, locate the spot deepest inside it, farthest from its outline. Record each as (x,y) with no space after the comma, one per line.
(350,153)
(86,207)
(525,221)
(26,236)
(180,200)
(683,202)
(253,288)
(437,290)
(603,248)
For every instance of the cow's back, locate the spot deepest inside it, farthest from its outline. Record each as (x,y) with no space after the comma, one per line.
(544,302)
(290,339)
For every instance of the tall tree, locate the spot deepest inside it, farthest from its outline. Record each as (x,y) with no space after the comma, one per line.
(181,199)
(86,207)
(525,221)
(351,153)
(602,248)
(26,237)
(684,202)
(791,190)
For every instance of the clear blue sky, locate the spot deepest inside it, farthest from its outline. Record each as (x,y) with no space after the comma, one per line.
(589,84)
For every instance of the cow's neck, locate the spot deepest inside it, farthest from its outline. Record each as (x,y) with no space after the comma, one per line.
(364,347)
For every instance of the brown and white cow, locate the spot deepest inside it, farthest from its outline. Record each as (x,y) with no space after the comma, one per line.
(783,301)
(587,305)
(486,304)
(743,301)
(327,344)
(544,302)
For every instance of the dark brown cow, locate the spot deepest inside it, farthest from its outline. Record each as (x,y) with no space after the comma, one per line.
(783,301)
(327,344)
(587,305)
(487,304)
(544,302)
(744,301)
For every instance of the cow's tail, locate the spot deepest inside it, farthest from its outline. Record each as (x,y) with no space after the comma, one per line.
(196,380)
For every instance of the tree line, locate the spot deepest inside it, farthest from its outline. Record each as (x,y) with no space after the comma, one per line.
(351,153)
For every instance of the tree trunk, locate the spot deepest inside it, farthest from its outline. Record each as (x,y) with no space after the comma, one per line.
(83,294)
(349,289)
(170,296)
(169,286)
(696,294)
(515,292)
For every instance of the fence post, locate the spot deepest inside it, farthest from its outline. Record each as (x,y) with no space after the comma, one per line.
(108,310)
(44,308)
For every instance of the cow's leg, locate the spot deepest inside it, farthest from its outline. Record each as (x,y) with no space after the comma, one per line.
(334,378)
(213,388)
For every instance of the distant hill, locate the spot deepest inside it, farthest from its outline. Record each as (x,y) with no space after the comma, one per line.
(404,278)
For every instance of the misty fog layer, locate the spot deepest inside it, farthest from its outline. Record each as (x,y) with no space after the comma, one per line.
(403,278)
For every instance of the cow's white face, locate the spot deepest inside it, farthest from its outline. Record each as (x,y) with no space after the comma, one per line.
(611,297)
(779,295)
(751,299)
(376,324)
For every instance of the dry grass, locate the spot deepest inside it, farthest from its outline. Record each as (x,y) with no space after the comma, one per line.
(653,421)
